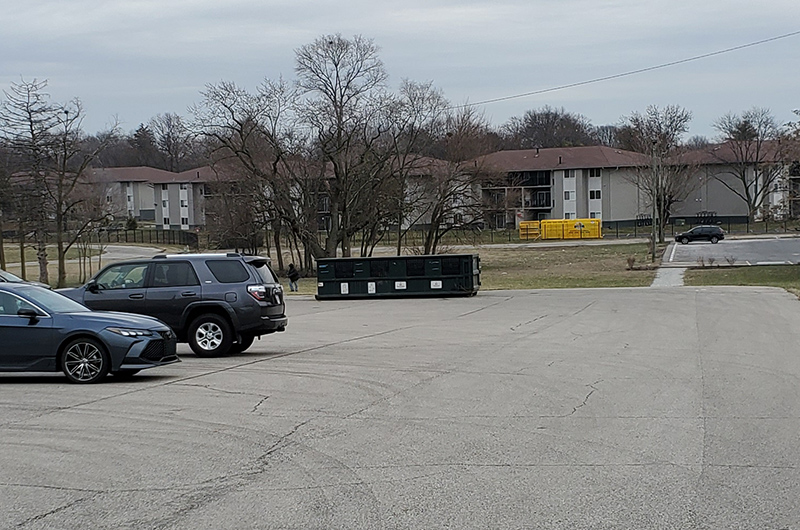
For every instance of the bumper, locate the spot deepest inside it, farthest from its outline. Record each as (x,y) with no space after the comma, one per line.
(268,324)
(138,353)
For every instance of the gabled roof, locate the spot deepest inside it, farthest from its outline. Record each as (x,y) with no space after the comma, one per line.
(151,174)
(731,152)
(554,158)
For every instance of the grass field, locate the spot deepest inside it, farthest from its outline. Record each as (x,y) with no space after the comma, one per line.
(785,276)
(554,267)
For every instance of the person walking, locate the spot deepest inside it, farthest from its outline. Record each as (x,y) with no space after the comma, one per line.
(294,275)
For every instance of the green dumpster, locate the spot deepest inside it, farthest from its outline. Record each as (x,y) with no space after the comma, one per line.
(398,276)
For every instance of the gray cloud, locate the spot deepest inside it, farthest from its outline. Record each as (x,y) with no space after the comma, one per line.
(138,58)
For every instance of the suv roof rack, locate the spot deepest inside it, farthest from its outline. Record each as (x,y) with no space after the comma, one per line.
(160,256)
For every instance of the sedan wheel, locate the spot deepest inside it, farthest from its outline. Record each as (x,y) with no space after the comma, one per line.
(209,336)
(84,361)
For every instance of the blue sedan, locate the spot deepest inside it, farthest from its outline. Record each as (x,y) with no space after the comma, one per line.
(43,331)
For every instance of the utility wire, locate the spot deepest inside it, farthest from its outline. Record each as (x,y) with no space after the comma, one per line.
(629,73)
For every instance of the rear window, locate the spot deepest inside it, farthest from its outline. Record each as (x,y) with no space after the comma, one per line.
(264,272)
(228,271)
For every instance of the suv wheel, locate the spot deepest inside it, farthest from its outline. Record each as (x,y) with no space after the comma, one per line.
(210,336)
(85,361)
(714,239)
(244,342)
(684,240)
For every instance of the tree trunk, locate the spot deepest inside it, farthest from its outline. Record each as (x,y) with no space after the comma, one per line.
(276,234)
(41,255)
(2,246)
(22,268)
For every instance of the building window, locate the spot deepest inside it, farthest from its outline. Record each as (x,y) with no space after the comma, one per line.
(185,221)
(164,203)
(166,221)
(184,203)
(568,215)
(569,195)
(569,173)
(164,187)
(594,215)
(594,172)
(183,186)
(594,195)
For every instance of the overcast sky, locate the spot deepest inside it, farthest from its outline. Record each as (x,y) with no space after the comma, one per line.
(134,59)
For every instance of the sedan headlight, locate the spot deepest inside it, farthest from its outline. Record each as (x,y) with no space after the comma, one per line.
(126,332)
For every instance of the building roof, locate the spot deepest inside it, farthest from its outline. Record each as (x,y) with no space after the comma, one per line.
(151,174)
(732,152)
(553,158)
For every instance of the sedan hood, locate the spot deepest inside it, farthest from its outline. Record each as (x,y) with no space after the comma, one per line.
(125,320)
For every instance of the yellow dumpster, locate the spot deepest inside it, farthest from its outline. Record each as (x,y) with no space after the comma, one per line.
(528,230)
(570,229)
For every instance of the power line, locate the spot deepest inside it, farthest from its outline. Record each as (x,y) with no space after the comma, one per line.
(629,73)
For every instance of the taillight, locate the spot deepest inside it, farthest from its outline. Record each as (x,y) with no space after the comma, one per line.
(266,294)
(259,292)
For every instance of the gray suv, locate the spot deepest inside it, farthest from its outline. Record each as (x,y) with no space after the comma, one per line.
(218,303)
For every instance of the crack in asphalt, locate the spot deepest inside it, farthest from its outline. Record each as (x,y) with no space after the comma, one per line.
(257,405)
(501,301)
(42,516)
(586,399)
(529,322)
(182,380)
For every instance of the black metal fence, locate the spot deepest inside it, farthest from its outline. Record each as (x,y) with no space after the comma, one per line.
(732,224)
(141,236)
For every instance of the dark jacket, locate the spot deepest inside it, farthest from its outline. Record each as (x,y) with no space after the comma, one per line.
(293,273)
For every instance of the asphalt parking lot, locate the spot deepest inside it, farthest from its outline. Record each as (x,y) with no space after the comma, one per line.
(762,250)
(602,408)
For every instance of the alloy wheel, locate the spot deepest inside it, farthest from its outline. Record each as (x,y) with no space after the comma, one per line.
(208,336)
(84,362)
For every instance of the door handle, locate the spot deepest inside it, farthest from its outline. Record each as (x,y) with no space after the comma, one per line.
(188,293)
(136,296)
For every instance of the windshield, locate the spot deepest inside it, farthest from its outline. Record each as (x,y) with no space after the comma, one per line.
(51,301)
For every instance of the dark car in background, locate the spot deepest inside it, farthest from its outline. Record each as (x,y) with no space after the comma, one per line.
(43,331)
(6,276)
(218,303)
(701,233)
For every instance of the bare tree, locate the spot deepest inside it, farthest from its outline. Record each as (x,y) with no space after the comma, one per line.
(256,136)
(607,135)
(28,121)
(669,178)
(448,196)
(172,138)
(6,198)
(343,81)
(549,127)
(751,151)
(52,161)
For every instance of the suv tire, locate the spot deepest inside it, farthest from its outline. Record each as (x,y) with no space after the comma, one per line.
(684,240)
(714,239)
(210,336)
(244,343)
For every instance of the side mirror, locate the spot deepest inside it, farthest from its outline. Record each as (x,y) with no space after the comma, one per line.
(92,286)
(28,313)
